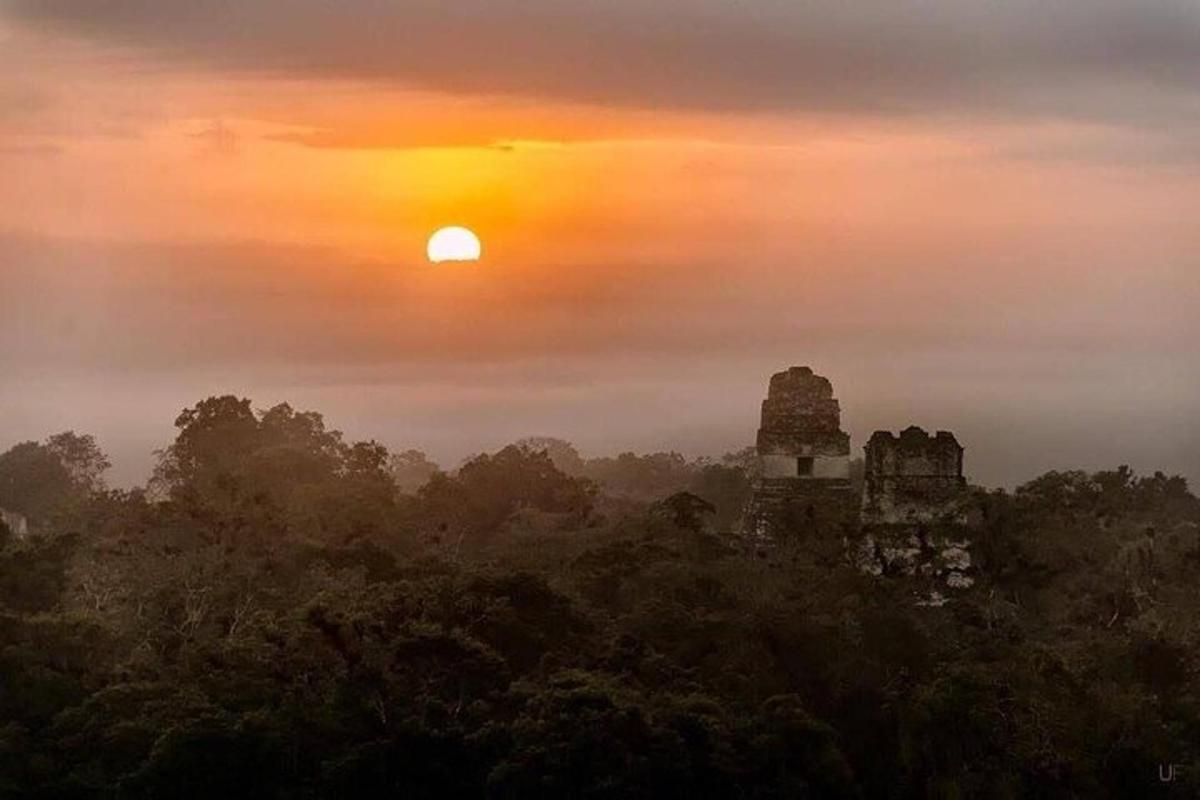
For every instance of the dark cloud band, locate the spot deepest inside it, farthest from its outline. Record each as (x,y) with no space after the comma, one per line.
(1094,58)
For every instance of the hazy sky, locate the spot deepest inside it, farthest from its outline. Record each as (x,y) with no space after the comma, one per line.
(981,216)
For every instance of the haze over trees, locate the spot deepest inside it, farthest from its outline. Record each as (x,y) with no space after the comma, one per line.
(284,613)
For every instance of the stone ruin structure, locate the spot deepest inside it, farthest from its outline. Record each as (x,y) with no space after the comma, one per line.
(913,513)
(913,478)
(915,510)
(804,458)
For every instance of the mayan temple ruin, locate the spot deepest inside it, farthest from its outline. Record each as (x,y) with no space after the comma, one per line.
(913,512)
(916,511)
(804,459)
(912,479)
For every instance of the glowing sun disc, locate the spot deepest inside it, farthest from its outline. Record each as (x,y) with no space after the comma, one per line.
(454,243)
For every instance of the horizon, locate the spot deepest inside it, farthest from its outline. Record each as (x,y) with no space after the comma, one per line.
(132,469)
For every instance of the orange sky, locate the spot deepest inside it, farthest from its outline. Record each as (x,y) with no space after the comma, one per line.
(1016,258)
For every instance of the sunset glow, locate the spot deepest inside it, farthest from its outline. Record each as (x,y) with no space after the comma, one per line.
(229,179)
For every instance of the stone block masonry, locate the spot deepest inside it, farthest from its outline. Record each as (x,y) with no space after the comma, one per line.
(916,511)
(804,459)
(913,478)
(913,516)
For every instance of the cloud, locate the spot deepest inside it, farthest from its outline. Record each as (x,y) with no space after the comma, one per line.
(1107,59)
(1141,148)
(217,139)
(327,139)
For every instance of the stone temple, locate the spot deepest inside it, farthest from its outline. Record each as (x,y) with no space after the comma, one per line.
(804,458)
(913,479)
(914,510)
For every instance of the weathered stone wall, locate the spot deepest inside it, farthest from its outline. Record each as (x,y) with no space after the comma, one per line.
(804,457)
(914,516)
(775,465)
(916,510)
(913,478)
(802,418)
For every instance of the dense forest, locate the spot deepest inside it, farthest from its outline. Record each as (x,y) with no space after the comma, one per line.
(280,613)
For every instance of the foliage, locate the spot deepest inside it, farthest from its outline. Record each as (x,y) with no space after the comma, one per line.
(686,510)
(411,469)
(47,481)
(277,619)
(262,474)
(489,489)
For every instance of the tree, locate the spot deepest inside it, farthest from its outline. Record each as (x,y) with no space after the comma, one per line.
(687,511)
(278,471)
(726,488)
(561,452)
(33,480)
(486,491)
(411,469)
(645,477)
(49,481)
(82,457)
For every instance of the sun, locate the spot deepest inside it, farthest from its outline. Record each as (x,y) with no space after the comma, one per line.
(454,243)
